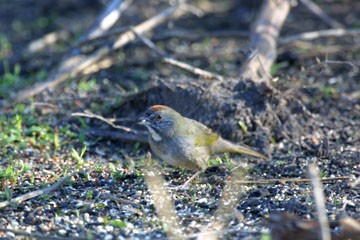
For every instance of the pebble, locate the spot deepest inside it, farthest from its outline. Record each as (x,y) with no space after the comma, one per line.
(62,232)
(87,217)
(108,237)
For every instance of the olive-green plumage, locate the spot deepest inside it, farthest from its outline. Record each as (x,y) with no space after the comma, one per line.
(183,142)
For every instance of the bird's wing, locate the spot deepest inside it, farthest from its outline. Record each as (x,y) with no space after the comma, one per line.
(203,136)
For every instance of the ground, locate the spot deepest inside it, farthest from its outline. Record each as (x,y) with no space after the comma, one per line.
(41,142)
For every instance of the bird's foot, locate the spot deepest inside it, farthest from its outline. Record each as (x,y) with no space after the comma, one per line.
(186,184)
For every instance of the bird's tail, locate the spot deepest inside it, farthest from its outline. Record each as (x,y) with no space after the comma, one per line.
(226,146)
(248,151)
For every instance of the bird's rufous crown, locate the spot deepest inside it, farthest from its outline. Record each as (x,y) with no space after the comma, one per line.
(156,108)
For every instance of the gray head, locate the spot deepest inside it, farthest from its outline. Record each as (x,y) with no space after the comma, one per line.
(159,121)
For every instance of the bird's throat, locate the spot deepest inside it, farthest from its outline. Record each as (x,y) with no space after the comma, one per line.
(156,137)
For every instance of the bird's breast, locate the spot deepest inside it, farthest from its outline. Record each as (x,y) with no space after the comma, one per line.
(180,152)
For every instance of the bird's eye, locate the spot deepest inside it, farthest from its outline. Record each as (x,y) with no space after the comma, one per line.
(158,117)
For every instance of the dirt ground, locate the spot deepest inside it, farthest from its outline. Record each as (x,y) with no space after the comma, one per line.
(40,141)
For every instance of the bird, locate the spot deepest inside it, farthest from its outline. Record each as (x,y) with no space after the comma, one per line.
(183,142)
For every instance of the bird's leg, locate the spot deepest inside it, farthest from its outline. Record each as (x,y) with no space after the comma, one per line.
(185,185)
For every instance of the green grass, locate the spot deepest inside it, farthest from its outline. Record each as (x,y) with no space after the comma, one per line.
(20,131)
(226,159)
(12,78)
(277,67)
(328,91)
(87,86)
(243,126)
(78,156)
(10,174)
(117,223)
(5,47)
(89,195)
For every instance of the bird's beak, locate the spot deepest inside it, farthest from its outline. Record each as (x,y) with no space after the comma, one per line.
(144,121)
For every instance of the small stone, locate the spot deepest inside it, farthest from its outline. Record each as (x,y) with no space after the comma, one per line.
(109,228)
(114,212)
(87,217)
(62,232)
(59,220)
(202,200)
(10,235)
(15,223)
(100,220)
(108,237)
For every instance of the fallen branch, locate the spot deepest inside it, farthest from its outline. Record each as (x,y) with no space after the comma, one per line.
(36,193)
(185,66)
(197,71)
(106,20)
(315,9)
(101,118)
(46,41)
(321,64)
(293,180)
(307,36)
(72,66)
(263,38)
(117,135)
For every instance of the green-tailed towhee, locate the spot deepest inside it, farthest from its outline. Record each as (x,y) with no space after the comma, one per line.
(183,142)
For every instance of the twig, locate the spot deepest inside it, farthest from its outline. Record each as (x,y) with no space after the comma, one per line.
(147,25)
(117,135)
(106,19)
(45,41)
(150,44)
(307,36)
(177,63)
(36,193)
(320,49)
(118,199)
(46,104)
(101,118)
(355,68)
(315,9)
(106,35)
(162,201)
(71,66)
(194,70)
(319,202)
(326,62)
(293,180)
